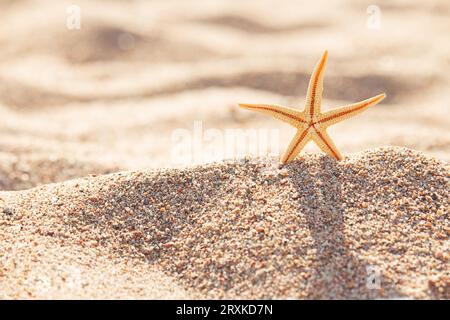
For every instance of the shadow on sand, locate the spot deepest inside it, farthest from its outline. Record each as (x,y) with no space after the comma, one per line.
(337,272)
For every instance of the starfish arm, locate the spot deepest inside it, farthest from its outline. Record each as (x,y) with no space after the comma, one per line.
(342,113)
(296,145)
(315,88)
(325,143)
(286,114)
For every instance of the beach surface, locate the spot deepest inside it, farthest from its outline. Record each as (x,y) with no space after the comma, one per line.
(117,179)
(315,228)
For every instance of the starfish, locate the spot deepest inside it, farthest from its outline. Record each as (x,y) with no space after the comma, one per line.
(310,122)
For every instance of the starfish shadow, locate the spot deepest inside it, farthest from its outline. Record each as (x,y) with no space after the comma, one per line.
(337,271)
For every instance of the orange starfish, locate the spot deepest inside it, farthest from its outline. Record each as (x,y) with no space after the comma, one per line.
(311,124)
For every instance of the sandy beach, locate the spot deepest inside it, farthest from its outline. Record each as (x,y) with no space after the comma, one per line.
(244,229)
(117,180)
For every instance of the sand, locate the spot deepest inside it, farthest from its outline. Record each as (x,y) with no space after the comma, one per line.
(238,229)
(79,94)
(19,172)
(108,98)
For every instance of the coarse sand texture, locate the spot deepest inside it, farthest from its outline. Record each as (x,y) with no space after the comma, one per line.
(238,229)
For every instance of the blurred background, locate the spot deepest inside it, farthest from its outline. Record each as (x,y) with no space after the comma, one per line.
(91,87)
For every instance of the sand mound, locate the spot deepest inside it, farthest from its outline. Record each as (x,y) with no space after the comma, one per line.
(247,229)
(25,171)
